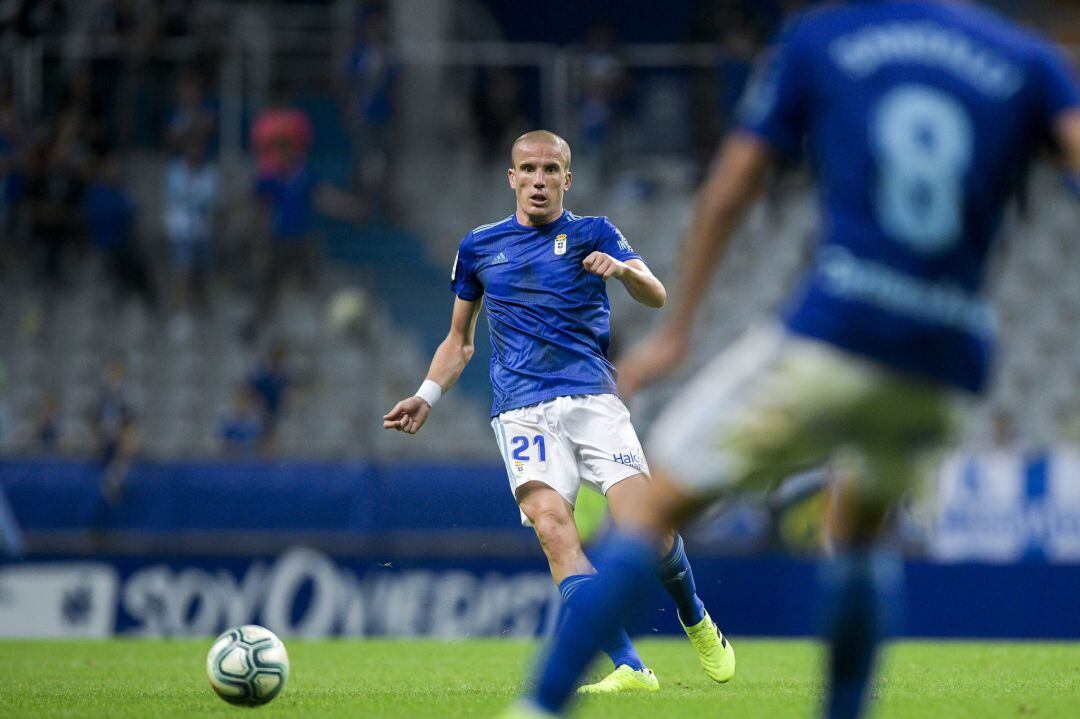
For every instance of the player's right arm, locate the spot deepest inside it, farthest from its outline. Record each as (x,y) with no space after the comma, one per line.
(449,362)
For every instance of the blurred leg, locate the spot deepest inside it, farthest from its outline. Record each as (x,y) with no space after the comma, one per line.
(673,568)
(626,562)
(860,586)
(553,520)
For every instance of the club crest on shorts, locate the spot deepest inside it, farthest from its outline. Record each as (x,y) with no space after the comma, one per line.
(560,244)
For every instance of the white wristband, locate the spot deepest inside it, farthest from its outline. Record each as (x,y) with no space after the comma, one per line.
(430,392)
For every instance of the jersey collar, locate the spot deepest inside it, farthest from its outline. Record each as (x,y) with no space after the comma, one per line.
(540,228)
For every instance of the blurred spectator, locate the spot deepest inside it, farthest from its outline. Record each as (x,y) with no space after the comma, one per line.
(53,196)
(110,213)
(371,76)
(281,136)
(133,73)
(10,175)
(270,380)
(289,192)
(47,433)
(285,187)
(193,116)
(497,108)
(192,199)
(112,419)
(604,86)
(242,429)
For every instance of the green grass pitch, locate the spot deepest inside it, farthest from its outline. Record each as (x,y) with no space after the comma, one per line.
(355,678)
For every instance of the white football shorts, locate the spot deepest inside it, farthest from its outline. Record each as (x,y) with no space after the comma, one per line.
(775,403)
(568,442)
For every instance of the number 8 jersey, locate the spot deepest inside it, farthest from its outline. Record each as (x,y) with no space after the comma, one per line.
(920,119)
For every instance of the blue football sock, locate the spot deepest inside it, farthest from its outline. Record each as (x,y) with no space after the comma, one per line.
(678,579)
(860,589)
(619,648)
(625,567)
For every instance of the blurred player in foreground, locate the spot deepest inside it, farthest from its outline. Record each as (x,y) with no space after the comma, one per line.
(557,419)
(919,118)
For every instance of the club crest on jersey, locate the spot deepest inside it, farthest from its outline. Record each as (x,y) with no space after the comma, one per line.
(560,244)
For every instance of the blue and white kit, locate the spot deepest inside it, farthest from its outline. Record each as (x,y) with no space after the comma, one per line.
(556,414)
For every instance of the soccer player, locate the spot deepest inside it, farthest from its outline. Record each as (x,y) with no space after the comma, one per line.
(919,119)
(557,419)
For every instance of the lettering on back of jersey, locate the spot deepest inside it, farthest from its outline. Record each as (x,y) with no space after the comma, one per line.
(560,244)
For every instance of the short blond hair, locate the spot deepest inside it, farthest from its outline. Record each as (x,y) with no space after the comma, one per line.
(547,136)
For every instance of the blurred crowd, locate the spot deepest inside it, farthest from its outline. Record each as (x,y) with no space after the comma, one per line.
(146,84)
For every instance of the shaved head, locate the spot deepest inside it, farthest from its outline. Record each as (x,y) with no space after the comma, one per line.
(545,137)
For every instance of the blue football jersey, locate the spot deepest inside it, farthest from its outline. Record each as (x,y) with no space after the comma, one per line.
(919,119)
(549,318)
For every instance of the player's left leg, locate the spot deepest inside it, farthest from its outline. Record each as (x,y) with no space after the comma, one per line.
(677,576)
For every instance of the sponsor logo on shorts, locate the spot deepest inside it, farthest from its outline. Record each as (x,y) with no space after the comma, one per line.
(519,467)
(629,457)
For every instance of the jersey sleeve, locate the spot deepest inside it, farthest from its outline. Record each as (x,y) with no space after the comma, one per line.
(1057,90)
(611,241)
(463,280)
(773,105)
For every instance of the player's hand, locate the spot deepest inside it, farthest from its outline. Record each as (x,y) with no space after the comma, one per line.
(657,355)
(604,265)
(407,416)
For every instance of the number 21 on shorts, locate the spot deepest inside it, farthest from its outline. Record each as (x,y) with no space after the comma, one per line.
(521,448)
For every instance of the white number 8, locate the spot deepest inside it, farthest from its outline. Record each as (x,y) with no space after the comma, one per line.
(924,143)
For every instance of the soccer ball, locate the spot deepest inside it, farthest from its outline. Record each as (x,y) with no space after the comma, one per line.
(247,665)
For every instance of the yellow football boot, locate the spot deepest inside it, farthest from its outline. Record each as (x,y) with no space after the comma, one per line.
(624,679)
(713,649)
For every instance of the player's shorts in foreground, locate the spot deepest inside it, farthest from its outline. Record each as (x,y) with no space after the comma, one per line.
(570,441)
(775,402)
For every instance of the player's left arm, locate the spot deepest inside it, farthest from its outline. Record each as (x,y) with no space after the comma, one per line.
(635,275)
